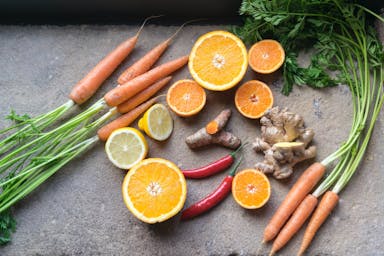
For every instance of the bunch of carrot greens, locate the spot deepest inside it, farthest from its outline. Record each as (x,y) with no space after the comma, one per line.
(344,42)
(43,152)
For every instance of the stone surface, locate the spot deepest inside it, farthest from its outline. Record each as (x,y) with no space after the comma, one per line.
(80,211)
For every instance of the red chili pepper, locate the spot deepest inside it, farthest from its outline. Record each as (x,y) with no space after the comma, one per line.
(212,168)
(213,199)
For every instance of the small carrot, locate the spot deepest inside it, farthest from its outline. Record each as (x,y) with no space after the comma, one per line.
(299,191)
(326,205)
(87,86)
(124,120)
(301,214)
(142,96)
(147,61)
(120,94)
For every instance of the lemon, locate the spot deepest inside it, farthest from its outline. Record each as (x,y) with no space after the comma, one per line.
(126,147)
(157,122)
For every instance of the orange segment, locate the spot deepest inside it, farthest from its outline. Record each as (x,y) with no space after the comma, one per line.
(251,188)
(266,56)
(154,190)
(253,99)
(218,60)
(186,97)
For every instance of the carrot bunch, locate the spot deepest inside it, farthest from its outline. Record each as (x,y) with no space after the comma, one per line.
(356,53)
(26,167)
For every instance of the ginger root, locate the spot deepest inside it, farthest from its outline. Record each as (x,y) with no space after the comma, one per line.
(213,133)
(284,142)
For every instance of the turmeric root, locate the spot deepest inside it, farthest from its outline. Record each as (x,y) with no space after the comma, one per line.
(284,142)
(213,133)
(219,122)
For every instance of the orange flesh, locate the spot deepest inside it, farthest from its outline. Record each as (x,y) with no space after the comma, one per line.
(251,188)
(218,61)
(253,99)
(186,96)
(155,190)
(266,56)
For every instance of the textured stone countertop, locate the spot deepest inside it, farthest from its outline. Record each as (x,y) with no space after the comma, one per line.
(80,211)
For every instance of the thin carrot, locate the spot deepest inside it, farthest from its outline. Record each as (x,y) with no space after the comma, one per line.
(326,205)
(299,191)
(301,214)
(147,61)
(124,120)
(120,94)
(87,86)
(142,96)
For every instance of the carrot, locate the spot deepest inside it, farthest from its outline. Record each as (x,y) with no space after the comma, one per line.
(124,120)
(87,86)
(326,205)
(120,94)
(146,62)
(299,191)
(302,212)
(142,96)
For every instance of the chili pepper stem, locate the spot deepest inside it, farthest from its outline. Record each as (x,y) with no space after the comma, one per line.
(233,154)
(235,167)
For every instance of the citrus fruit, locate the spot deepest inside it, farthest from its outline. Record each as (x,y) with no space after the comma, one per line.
(266,56)
(157,122)
(218,60)
(253,99)
(154,190)
(126,147)
(186,97)
(251,188)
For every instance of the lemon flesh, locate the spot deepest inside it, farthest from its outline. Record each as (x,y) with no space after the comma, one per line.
(126,147)
(157,122)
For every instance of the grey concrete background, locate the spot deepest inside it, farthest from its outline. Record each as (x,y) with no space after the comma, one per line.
(80,211)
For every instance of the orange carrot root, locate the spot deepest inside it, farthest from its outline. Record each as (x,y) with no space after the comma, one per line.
(147,61)
(87,86)
(326,205)
(124,92)
(219,122)
(299,191)
(139,98)
(301,214)
(124,120)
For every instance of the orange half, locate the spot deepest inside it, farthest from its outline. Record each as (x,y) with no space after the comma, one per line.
(218,60)
(253,99)
(266,56)
(154,190)
(186,97)
(251,189)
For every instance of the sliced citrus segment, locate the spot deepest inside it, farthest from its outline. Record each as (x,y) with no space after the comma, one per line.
(253,99)
(251,188)
(186,97)
(266,56)
(154,190)
(126,147)
(218,60)
(157,122)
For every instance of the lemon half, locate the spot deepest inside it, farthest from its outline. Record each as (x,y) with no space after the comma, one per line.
(157,122)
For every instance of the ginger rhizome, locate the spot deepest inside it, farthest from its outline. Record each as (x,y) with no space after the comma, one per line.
(213,133)
(284,141)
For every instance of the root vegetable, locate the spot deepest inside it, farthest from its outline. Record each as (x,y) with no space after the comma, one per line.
(284,140)
(219,122)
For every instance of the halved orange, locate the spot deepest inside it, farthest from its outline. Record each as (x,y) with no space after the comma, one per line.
(266,56)
(253,99)
(218,60)
(154,190)
(186,97)
(251,188)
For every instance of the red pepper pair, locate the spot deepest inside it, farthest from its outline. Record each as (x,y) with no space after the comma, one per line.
(218,194)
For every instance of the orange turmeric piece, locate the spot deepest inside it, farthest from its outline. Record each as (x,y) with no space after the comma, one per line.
(219,122)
